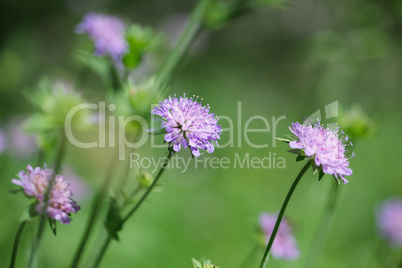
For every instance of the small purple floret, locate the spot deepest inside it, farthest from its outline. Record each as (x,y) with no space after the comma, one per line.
(188,124)
(389,221)
(284,246)
(325,145)
(35,182)
(107,32)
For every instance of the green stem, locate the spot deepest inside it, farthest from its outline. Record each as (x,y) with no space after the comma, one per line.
(115,80)
(183,44)
(322,234)
(163,167)
(57,165)
(93,215)
(17,242)
(107,242)
(102,252)
(41,156)
(282,212)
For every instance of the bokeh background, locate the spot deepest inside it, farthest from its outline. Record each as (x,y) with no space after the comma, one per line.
(291,60)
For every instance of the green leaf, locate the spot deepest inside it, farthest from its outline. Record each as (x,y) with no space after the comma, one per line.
(283,140)
(25,216)
(53,224)
(95,63)
(338,182)
(140,41)
(300,157)
(196,263)
(113,221)
(17,192)
(132,60)
(158,132)
(321,174)
(296,151)
(32,210)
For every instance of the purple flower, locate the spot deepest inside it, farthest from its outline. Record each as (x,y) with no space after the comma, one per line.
(21,143)
(389,221)
(325,145)
(107,32)
(35,182)
(284,246)
(188,124)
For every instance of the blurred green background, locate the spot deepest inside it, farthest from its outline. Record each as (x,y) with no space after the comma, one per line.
(287,61)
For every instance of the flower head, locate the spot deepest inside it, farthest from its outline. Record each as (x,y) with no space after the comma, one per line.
(35,183)
(325,145)
(284,246)
(107,32)
(188,124)
(389,221)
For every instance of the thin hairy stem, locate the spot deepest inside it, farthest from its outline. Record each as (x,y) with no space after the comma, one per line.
(282,212)
(135,208)
(17,242)
(97,201)
(185,40)
(57,165)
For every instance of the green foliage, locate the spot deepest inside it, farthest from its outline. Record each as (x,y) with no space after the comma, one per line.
(52,103)
(204,263)
(113,221)
(222,12)
(357,124)
(140,40)
(99,65)
(145,179)
(142,95)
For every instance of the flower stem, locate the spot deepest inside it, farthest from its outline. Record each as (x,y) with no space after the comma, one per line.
(102,252)
(97,201)
(163,167)
(321,235)
(57,165)
(183,44)
(108,240)
(17,242)
(282,212)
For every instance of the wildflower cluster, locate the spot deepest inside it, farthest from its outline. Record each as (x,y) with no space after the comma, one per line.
(188,124)
(35,183)
(325,145)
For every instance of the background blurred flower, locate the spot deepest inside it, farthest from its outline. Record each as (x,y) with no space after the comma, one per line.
(35,183)
(389,221)
(325,145)
(21,144)
(188,124)
(106,31)
(77,185)
(284,246)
